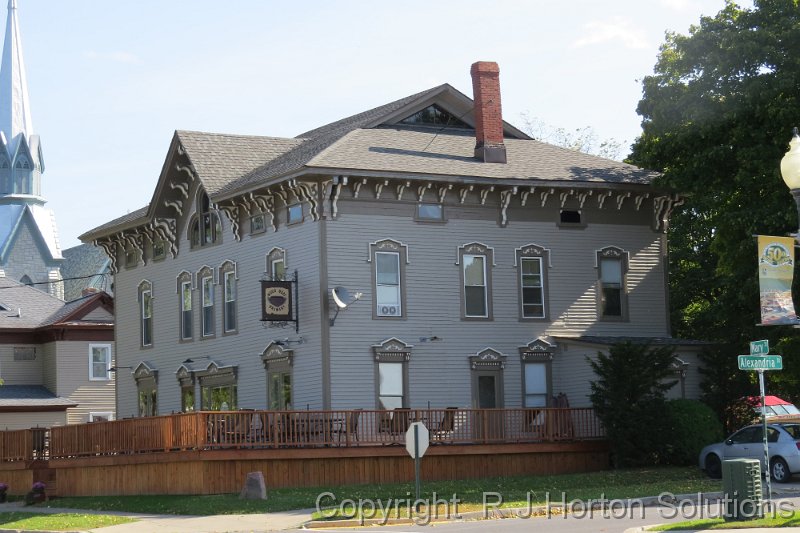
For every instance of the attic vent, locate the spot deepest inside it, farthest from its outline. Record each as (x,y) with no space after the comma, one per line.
(4,307)
(570,217)
(433,115)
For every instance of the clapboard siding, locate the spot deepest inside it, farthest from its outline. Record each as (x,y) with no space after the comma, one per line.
(50,366)
(43,419)
(21,372)
(439,371)
(75,385)
(243,348)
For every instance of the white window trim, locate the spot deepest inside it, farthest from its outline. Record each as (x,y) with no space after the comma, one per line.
(105,414)
(485,287)
(522,286)
(204,306)
(228,277)
(142,316)
(184,285)
(92,377)
(399,286)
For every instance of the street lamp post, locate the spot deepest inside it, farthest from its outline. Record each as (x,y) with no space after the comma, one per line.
(790,170)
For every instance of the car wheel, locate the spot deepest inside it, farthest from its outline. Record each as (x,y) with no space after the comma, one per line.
(713,466)
(779,471)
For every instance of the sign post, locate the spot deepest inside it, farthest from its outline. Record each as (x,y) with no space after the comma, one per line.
(417,440)
(759,360)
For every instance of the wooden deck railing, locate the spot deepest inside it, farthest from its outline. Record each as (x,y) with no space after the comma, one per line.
(298,429)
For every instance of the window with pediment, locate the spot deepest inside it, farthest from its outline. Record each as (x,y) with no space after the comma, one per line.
(146,313)
(229,281)
(276,264)
(537,375)
(218,388)
(146,378)
(389,259)
(476,261)
(532,262)
(186,381)
(612,293)
(205,282)
(185,296)
(391,373)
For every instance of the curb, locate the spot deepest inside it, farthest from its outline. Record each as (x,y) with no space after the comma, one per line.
(510,512)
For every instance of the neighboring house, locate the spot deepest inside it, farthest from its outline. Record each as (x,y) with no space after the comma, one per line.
(29,247)
(86,267)
(54,358)
(491,266)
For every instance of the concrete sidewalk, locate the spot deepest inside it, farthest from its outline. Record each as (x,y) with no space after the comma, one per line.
(149,523)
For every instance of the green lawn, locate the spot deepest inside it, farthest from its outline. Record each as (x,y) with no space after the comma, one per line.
(59,521)
(792,520)
(515,492)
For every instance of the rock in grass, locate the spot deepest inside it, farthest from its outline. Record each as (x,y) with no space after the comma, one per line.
(254,487)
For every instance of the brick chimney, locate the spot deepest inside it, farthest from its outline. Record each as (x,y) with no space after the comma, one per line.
(489,145)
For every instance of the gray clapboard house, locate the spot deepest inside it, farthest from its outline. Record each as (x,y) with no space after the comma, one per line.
(490,265)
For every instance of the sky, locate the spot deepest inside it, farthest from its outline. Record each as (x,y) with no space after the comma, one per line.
(110,81)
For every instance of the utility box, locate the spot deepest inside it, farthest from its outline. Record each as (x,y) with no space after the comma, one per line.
(741,488)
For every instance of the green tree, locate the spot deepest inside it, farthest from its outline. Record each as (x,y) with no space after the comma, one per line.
(628,397)
(717,116)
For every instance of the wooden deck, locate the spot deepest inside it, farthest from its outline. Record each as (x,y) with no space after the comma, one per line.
(211,452)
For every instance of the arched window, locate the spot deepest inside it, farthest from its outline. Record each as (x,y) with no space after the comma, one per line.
(25,280)
(146,313)
(205,227)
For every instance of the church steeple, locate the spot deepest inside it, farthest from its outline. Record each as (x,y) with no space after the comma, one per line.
(21,162)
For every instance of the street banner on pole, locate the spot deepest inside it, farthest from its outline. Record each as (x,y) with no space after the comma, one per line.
(775,271)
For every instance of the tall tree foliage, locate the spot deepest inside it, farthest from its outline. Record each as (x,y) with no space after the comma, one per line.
(717,117)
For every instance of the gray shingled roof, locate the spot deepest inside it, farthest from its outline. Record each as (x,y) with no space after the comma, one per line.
(427,152)
(230,164)
(80,261)
(221,158)
(321,138)
(31,395)
(70,307)
(34,305)
(131,219)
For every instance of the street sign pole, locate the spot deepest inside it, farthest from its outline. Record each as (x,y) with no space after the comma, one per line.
(764,423)
(417,460)
(417,441)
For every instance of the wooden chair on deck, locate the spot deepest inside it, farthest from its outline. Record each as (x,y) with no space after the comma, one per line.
(446,426)
(349,425)
(401,420)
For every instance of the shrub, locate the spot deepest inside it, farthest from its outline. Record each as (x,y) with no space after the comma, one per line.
(628,397)
(691,425)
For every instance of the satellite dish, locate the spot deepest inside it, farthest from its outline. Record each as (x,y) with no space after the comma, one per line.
(342,298)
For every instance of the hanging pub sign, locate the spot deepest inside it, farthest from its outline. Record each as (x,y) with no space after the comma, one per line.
(279,301)
(276,298)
